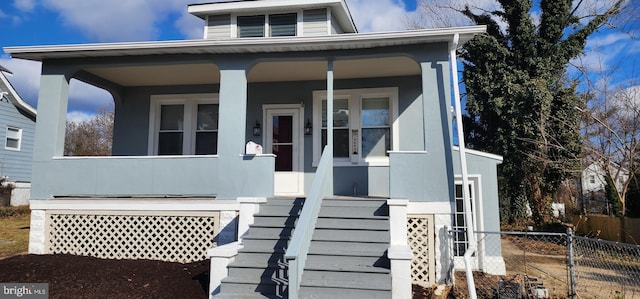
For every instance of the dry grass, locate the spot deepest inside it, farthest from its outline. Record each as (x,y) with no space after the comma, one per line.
(14,231)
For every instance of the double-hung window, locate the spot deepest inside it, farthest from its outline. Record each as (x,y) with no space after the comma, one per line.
(13,139)
(184,125)
(460,225)
(267,25)
(364,125)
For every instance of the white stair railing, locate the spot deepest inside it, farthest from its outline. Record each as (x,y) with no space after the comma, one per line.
(296,254)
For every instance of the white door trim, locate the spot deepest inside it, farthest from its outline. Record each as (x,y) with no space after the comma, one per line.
(297,175)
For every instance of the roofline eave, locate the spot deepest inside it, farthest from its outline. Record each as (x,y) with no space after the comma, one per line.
(246,45)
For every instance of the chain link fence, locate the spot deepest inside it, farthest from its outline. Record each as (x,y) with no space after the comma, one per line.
(552,265)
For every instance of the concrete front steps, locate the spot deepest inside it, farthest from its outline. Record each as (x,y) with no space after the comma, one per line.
(259,270)
(347,257)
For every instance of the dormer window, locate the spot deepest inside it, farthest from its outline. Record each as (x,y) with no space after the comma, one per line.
(274,25)
(251,26)
(283,24)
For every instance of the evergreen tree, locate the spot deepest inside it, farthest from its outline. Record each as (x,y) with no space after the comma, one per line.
(613,199)
(519,102)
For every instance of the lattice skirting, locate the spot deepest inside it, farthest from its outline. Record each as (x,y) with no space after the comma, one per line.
(165,236)
(421,237)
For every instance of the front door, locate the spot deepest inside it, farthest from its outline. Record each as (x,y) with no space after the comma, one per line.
(284,139)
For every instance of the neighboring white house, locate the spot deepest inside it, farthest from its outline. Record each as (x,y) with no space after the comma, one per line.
(593,182)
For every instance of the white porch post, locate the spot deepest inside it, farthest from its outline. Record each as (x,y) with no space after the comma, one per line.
(399,252)
(330,121)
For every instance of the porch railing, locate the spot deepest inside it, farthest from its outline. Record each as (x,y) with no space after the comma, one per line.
(296,254)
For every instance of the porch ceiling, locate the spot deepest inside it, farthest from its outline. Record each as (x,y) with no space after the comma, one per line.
(187,74)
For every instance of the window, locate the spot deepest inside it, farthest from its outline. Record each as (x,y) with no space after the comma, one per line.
(184,125)
(277,24)
(363,125)
(592,179)
(14,139)
(459,227)
(283,24)
(251,26)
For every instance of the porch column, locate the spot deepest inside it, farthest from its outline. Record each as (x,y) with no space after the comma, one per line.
(231,127)
(330,190)
(53,98)
(436,103)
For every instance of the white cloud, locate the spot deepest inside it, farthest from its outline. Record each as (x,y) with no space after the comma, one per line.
(379,15)
(108,21)
(78,117)
(24,5)
(25,78)
(87,97)
(131,20)
(190,26)
(26,81)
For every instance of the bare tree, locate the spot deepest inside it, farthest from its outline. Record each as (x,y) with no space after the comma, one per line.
(92,137)
(611,127)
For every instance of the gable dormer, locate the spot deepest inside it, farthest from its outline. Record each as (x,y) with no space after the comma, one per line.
(274,18)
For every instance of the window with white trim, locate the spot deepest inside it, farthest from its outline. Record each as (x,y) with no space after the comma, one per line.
(459,227)
(13,139)
(267,25)
(184,124)
(364,125)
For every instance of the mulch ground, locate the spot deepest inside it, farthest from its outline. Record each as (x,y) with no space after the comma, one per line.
(71,276)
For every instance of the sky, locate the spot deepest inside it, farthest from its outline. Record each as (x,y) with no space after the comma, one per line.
(58,22)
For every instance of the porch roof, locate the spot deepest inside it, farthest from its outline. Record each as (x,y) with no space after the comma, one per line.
(247,45)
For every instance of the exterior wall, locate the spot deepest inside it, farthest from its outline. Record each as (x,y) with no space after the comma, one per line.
(335,27)
(15,164)
(132,123)
(483,169)
(218,27)
(315,22)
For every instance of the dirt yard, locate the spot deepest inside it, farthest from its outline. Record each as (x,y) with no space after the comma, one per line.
(71,276)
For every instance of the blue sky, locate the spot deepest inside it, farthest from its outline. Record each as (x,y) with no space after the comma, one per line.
(54,22)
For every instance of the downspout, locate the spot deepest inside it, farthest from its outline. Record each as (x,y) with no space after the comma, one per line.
(472,248)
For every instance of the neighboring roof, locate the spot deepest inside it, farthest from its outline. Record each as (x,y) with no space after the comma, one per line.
(248,45)
(495,157)
(15,99)
(340,9)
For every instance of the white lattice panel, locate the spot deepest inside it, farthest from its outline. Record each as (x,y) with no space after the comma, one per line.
(421,240)
(167,238)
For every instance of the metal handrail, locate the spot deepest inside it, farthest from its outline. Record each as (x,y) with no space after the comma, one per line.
(296,254)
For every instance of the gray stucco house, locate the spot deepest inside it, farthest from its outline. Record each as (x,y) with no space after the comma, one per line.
(17,130)
(218,152)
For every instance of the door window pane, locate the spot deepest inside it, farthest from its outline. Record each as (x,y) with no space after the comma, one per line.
(283,129)
(284,157)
